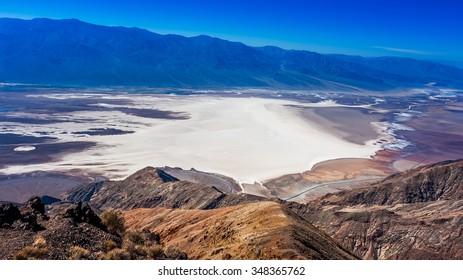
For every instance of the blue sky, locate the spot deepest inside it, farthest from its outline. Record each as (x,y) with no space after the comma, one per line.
(424,29)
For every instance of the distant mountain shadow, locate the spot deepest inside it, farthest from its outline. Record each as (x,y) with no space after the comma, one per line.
(73,53)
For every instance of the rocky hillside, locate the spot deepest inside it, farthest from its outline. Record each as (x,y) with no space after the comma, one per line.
(417,214)
(259,230)
(440,181)
(152,187)
(28,232)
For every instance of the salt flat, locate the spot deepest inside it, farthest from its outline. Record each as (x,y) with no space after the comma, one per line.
(249,139)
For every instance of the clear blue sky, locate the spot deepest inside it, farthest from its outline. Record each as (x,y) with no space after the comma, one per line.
(421,29)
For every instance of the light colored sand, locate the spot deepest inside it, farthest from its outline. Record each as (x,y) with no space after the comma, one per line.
(249,139)
(345,169)
(24,148)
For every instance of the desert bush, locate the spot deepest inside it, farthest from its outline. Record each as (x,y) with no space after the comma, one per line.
(150,237)
(173,253)
(114,221)
(117,254)
(155,252)
(134,237)
(109,245)
(78,253)
(37,251)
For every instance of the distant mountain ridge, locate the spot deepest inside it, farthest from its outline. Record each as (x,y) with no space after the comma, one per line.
(73,53)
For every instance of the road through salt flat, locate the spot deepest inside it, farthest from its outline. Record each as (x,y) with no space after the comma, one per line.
(249,139)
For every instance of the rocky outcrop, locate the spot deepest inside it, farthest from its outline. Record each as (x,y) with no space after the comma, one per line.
(77,226)
(76,233)
(417,214)
(35,205)
(83,214)
(8,214)
(152,187)
(27,217)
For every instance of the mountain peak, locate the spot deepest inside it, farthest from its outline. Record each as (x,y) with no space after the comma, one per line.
(151,174)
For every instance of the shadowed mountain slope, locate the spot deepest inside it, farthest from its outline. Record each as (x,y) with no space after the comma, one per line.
(71,52)
(151,187)
(417,214)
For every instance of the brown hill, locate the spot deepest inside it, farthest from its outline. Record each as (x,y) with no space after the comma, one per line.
(259,230)
(152,187)
(417,214)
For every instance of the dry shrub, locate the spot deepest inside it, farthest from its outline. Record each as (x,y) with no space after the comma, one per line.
(117,254)
(114,221)
(173,253)
(139,246)
(155,252)
(109,245)
(134,237)
(37,251)
(136,252)
(79,253)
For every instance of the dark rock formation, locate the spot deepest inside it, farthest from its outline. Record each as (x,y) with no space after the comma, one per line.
(26,218)
(77,233)
(8,214)
(83,214)
(35,205)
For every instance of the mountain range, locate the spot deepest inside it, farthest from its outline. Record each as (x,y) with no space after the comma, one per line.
(74,53)
(416,214)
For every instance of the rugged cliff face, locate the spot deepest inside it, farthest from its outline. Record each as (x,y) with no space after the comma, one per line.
(258,230)
(151,187)
(417,214)
(440,181)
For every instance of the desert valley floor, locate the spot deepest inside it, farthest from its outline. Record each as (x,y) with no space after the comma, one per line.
(295,145)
